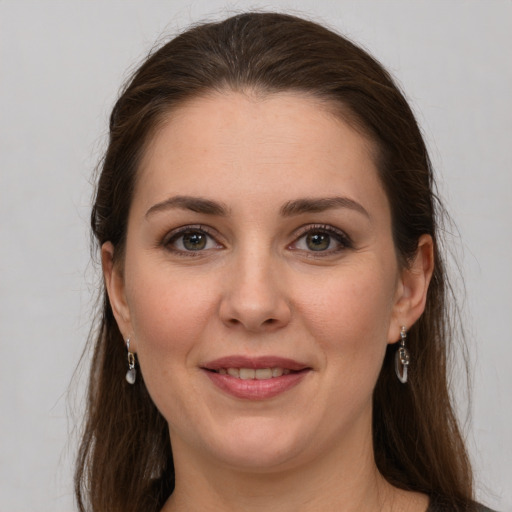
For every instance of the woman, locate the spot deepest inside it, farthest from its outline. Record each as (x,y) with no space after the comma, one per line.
(274,291)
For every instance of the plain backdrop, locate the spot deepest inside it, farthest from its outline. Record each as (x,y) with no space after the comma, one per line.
(61,65)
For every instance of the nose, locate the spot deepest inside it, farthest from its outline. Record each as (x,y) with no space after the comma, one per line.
(254,296)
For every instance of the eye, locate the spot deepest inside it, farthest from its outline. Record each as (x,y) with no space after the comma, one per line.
(190,239)
(318,241)
(322,239)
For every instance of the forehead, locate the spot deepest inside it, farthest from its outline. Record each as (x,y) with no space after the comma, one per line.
(243,145)
(270,115)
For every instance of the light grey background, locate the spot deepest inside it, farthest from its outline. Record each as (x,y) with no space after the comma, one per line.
(61,64)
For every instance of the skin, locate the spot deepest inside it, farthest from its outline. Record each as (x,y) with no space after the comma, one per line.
(256,289)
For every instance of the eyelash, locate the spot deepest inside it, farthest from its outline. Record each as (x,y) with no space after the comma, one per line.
(176,234)
(342,239)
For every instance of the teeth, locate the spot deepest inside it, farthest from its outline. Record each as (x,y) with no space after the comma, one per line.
(277,372)
(251,373)
(234,372)
(247,373)
(263,373)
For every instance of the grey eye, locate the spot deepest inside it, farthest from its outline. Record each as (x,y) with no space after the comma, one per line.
(322,239)
(194,241)
(318,241)
(191,240)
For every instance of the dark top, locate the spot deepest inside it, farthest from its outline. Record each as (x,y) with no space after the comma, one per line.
(436,505)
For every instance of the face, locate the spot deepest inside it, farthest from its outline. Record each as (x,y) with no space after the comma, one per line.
(260,284)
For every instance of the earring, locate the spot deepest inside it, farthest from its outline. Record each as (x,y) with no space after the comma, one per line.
(131,374)
(402,357)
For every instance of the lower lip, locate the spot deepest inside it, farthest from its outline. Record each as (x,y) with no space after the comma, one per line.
(254,389)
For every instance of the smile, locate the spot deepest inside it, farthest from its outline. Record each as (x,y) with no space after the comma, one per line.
(259,378)
(251,373)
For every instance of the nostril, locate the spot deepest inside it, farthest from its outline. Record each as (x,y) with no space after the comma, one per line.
(269,323)
(253,312)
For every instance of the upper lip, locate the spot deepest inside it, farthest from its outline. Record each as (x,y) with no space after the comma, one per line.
(255,362)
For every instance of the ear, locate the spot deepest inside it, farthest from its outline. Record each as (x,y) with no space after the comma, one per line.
(114,282)
(412,289)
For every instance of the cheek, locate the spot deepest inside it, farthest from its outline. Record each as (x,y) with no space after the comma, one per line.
(167,312)
(358,303)
(169,317)
(349,314)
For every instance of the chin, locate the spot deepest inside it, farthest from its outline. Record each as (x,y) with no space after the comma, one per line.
(257,448)
(253,458)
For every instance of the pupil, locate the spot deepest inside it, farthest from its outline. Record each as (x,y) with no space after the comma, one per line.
(194,241)
(318,241)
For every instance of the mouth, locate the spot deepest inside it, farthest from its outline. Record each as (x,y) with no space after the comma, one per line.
(254,374)
(255,378)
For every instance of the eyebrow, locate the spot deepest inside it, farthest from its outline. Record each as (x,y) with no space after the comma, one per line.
(313,205)
(195,204)
(289,209)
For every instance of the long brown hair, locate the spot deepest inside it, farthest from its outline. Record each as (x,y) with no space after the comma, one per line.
(125,460)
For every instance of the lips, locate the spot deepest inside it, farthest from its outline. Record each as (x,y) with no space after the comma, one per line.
(255,378)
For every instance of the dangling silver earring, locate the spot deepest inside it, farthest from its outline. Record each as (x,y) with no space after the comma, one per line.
(402,357)
(131,374)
